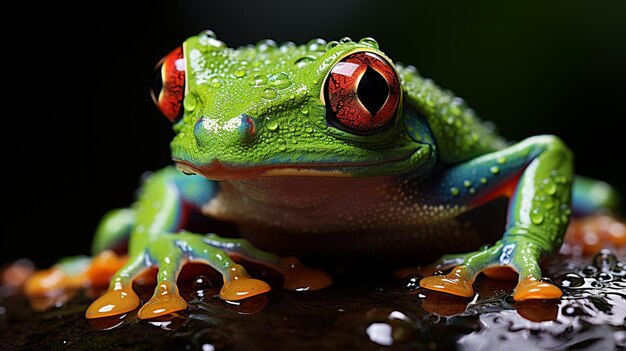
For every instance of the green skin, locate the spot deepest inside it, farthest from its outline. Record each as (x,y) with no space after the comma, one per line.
(296,184)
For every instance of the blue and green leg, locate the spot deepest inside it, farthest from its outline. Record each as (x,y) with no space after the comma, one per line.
(537,175)
(156,241)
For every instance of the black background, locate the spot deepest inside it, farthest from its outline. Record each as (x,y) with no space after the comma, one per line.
(80,128)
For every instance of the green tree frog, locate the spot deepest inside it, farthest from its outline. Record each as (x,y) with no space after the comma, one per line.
(333,151)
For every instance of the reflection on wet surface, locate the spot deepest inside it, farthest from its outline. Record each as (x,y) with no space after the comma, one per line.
(366,312)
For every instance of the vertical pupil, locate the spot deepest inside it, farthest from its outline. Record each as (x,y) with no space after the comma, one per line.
(372,90)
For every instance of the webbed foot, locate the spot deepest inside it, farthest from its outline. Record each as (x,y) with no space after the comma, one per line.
(169,252)
(497,261)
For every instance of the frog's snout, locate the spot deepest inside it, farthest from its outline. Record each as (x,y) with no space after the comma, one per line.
(207,129)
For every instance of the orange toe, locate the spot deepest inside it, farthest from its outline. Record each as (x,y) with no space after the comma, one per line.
(530,288)
(238,285)
(103,267)
(165,301)
(452,283)
(112,303)
(299,277)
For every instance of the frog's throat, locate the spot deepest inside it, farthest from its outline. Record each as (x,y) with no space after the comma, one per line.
(217,170)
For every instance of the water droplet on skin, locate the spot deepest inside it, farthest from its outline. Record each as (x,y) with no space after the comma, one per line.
(304,61)
(209,42)
(208,33)
(494,170)
(317,44)
(454,191)
(258,81)
(269,93)
(286,46)
(536,216)
(467,183)
(331,44)
(239,73)
(282,145)
(216,82)
(345,40)
(266,45)
(369,41)
(549,186)
(272,126)
(279,80)
(190,102)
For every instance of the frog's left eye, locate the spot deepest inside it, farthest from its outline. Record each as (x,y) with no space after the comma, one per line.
(362,93)
(169,85)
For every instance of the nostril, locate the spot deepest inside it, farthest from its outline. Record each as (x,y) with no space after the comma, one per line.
(209,130)
(247,127)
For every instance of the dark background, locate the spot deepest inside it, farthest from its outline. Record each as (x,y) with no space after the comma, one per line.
(80,127)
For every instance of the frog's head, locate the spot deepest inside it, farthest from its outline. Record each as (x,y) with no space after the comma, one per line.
(327,109)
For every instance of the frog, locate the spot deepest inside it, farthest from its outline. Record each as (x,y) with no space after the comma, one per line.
(331,151)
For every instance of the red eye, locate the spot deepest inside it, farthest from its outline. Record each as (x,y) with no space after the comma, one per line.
(169,85)
(362,93)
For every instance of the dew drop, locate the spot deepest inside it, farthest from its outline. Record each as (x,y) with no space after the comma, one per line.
(286,46)
(282,145)
(208,33)
(467,183)
(190,102)
(345,40)
(369,41)
(331,44)
(317,44)
(269,93)
(304,61)
(272,126)
(216,82)
(209,42)
(454,191)
(569,280)
(536,216)
(279,80)
(501,160)
(483,180)
(239,73)
(605,260)
(266,45)
(494,169)
(549,187)
(258,81)
(202,283)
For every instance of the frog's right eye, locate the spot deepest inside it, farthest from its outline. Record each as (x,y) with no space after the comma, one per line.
(169,85)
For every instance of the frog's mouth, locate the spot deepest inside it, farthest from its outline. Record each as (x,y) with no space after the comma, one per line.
(217,170)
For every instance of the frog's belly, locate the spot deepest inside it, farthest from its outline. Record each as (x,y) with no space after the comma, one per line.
(420,244)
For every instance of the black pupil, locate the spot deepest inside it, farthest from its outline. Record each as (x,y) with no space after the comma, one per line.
(372,90)
(157,85)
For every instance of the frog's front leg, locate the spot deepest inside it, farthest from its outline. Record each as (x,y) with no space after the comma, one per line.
(537,175)
(165,201)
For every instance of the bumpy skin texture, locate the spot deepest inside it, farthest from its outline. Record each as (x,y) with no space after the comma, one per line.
(261,150)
